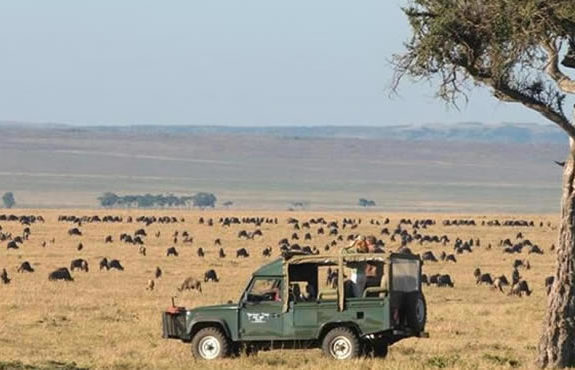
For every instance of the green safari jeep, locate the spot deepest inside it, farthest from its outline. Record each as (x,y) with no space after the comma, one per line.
(306,301)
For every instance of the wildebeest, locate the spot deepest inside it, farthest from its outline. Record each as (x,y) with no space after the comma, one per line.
(428,256)
(109,239)
(267,252)
(211,275)
(25,267)
(80,247)
(484,279)
(444,280)
(521,263)
(424,279)
(142,250)
(500,282)
(104,264)
(151,284)
(222,254)
(172,252)
(190,284)
(4,277)
(79,263)
(477,272)
(12,245)
(242,252)
(450,257)
(60,274)
(74,231)
(200,252)
(115,264)
(520,288)
(158,272)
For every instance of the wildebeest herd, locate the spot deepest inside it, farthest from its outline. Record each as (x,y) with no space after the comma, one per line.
(319,235)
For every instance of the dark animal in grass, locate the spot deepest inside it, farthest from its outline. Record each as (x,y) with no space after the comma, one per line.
(104,264)
(242,252)
(217,242)
(12,245)
(450,257)
(201,252)
(484,279)
(267,252)
(172,252)
(4,277)
(80,247)
(428,256)
(424,279)
(142,250)
(115,264)
(500,282)
(60,274)
(477,272)
(80,264)
(520,263)
(520,288)
(151,284)
(74,232)
(191,284)
(444,280)
(222,254)
(158,272)
(109,239)
(25,267)
(515,277)
(211,275)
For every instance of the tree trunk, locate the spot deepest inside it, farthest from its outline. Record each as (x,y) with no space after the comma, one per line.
(557,342)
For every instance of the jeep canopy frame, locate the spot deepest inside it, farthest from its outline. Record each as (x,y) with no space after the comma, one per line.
(340,262)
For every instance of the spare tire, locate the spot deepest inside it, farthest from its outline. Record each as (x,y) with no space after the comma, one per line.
(415,311)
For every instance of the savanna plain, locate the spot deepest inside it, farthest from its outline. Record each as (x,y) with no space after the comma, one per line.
(109,320)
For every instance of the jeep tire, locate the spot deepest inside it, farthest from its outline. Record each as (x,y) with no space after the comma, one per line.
(210,344)
(416,311)
(341,344)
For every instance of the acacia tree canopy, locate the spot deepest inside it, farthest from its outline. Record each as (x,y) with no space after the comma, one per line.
(518,48)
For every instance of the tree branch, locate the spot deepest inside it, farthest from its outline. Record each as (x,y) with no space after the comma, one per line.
(563,81)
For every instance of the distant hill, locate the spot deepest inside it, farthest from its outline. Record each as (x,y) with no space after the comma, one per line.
(466,131)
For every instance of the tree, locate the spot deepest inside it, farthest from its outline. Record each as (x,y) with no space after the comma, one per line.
(366,202)
(204,200)
(108,200)
(524,51)
(8,200)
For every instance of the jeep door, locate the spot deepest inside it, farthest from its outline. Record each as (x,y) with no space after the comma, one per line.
(261,316)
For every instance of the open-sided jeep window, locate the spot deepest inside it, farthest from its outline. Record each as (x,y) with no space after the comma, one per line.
(264,290)
(405,274)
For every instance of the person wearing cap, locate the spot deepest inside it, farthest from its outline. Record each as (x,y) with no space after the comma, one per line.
(358,277)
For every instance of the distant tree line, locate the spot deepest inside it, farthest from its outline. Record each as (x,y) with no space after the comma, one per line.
(8,200)
(200,200)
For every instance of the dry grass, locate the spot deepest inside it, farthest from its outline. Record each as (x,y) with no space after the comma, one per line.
(109,320)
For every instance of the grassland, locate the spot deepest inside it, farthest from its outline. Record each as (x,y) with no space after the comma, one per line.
(109,320)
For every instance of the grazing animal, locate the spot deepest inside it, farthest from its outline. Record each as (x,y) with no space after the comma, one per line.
(201,252)
(151,285)
(158,272)
(444,280)
(12,245)
(104,264)
(477,272)
(211,275)
(115,264)
(428,256)
(484,279)
(109,239)
(451,258)
(142,250)
(74,231)
(424,279)
(500,282)
(25,267)
(267,252)
(80,264)
(520,288)
(80,247)
(222,254)
(242,252)
(172,252)
(217,242)
(515,277)
(191,284)
(60,274)
(4,277)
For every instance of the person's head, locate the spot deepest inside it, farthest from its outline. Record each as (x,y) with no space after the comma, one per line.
(361,246)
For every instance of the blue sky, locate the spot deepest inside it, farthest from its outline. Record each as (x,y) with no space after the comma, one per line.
(238,63)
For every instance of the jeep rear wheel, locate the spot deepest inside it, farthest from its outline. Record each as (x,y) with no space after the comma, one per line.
(341,344)
(210,344)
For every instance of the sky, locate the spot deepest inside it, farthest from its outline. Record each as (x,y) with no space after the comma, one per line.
(217,62)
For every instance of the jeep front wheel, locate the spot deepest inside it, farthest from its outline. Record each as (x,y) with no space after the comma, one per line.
(210,344)
(341,344)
